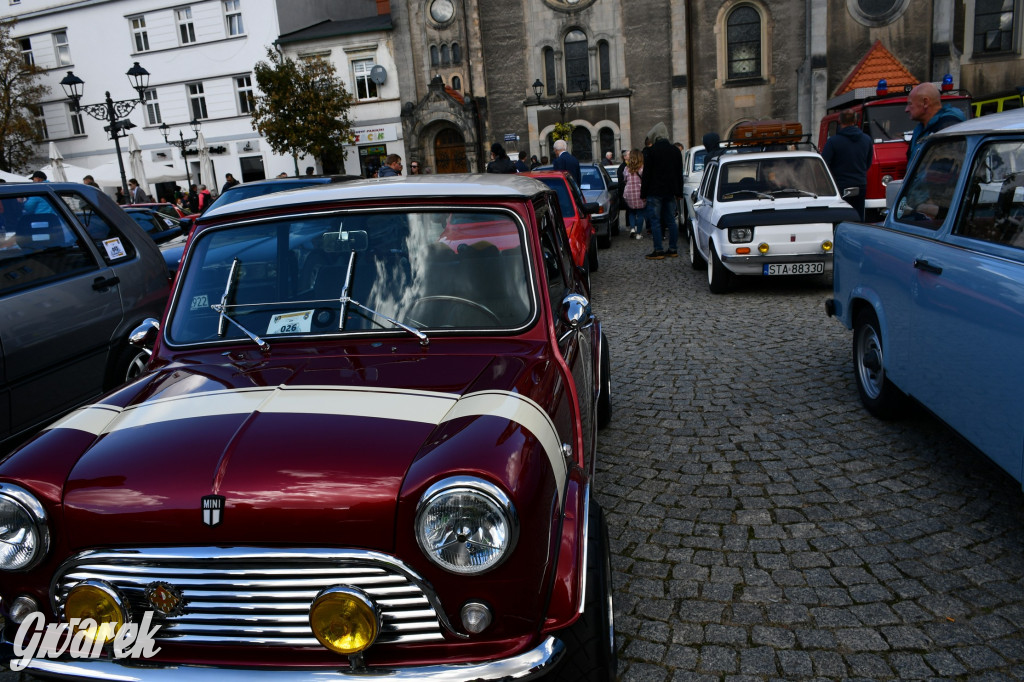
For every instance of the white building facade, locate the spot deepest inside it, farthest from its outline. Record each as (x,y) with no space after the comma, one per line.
(200,57)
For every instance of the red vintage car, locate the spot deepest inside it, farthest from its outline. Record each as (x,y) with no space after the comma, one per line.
(576,214)
(356,452)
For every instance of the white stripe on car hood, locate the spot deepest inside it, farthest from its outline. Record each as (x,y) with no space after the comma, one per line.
(426,407)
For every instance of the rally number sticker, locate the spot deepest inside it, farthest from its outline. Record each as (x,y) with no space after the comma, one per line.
(114,248)
(290,323)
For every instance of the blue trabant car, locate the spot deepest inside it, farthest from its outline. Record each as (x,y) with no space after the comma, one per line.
(934,294)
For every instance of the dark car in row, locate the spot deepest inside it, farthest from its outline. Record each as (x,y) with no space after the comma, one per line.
(77,275)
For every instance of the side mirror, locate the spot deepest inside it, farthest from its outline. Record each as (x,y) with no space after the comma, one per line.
(592,207)
(693,197)
(576,311)
(144,336)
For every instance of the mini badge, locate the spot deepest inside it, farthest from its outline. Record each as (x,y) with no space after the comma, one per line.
(213,509)
(165,599)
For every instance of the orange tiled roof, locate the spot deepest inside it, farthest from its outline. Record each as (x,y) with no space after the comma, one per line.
(877,63)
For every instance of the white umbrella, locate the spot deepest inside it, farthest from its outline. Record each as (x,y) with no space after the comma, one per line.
(70,171)
(207,176)
(57,164)
(11,177)
(107,174)
(135,161)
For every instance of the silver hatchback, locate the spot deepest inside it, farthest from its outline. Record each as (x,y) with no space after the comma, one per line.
(77,275)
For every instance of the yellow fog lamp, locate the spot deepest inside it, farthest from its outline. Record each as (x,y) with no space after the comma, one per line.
(344,620)
(97,601)
(826,246)
(763,247)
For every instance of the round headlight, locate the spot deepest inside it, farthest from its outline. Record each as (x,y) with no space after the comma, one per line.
(466,525)
(24,537)
(98,602)
(344,620)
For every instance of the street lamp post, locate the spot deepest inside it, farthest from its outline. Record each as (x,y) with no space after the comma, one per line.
(561,102)
(182,143)
(110,110)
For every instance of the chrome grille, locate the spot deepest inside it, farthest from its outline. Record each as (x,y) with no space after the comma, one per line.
(247,596)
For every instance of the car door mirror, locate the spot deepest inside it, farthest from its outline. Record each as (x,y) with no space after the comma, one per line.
(592,207)
(144,336)
(693,197)
(576,311)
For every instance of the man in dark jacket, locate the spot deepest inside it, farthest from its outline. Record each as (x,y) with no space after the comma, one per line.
(924,104)
(500,163)
(566,161)
(661,185)
(848,156)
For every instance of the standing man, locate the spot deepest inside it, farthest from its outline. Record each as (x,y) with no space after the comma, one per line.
(521,166)
(661,184)
(566,161)
(136,195)
(392,166)
(848,156)
(609,158)
(925,106)
(229,182)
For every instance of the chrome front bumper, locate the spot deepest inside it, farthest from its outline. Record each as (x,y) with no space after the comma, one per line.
(526,666)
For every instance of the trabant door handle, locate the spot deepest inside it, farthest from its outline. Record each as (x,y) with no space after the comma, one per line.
(922,264)
(104,283)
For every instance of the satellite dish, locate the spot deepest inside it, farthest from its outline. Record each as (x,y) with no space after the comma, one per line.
(378,74)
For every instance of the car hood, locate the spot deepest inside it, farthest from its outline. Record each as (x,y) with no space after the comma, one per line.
(313,453)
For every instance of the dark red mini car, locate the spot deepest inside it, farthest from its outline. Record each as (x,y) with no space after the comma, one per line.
(362,448)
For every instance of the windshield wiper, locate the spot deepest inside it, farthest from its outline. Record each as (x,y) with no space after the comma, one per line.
(882,128)
(759,195)
(346,299)
(802,192)
(225,303)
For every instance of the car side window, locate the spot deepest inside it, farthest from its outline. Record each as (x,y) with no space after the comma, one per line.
(994,205)
(553,261)
(928,194)
(708,191)
(108,238)
(38,245)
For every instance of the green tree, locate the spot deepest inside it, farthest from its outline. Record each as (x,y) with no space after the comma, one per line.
(19,93)
(304,108)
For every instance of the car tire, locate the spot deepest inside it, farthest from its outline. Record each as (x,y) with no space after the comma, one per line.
(696,260)
(879,395)
(604,398)
(720,279)
(592,260)
(129,363)
(590,641)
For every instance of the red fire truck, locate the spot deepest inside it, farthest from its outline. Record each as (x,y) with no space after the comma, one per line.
(883,116)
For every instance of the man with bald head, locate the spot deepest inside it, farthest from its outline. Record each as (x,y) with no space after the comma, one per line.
(925,106)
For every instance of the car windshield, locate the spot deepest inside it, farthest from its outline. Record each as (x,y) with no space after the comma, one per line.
(145,221)
(890,121)
(562,190)
(410,272)
(698,160)
(774,178)
(591,178)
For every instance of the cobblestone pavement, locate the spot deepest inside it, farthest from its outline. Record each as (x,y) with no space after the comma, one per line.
(763,525)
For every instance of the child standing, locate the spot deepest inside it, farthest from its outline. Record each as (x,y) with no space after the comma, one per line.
(635,204)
